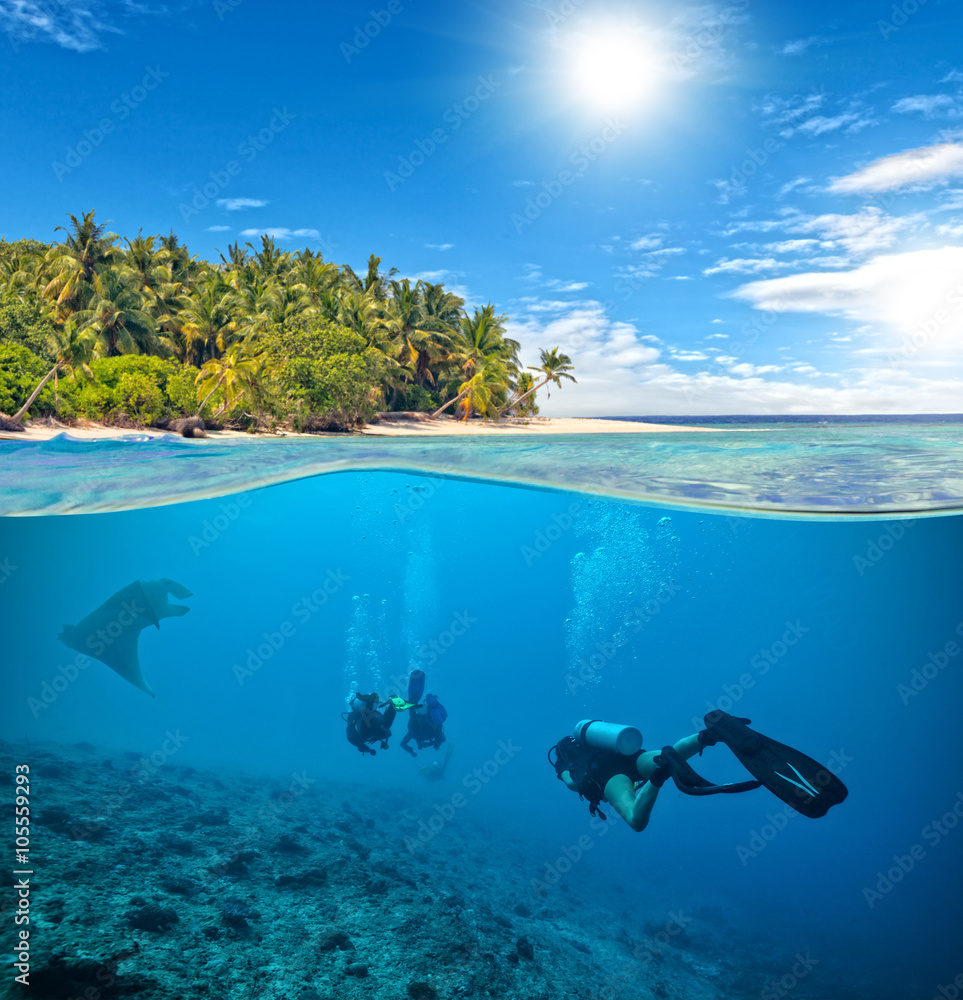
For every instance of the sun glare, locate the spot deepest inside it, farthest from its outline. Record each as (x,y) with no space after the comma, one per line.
(613,71)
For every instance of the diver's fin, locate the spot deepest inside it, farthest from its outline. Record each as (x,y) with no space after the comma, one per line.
(801,782)
(111,632)
(686,780)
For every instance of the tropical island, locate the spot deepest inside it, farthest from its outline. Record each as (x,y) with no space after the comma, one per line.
(140,333)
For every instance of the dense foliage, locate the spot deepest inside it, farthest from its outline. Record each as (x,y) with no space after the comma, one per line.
(139,330)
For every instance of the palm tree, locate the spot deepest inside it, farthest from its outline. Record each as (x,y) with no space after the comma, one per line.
(208,318)
(86,249)
(479,392)
(116,313)
(237,370)
(554,366)
(73,347)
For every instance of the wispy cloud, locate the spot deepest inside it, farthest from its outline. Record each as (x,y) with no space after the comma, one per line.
(218,229)
(746,265)
(284,234)
(236,204)
(439,246)
(930,105)
(800,45)
(75,26)
(924,167)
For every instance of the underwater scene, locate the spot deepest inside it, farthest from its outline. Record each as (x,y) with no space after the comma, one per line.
(290,735)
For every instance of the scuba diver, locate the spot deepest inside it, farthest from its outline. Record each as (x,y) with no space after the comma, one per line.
(425,725)
(435,771)
(366,724)
(605,762)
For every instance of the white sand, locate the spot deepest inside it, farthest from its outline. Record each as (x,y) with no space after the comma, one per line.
(389,427)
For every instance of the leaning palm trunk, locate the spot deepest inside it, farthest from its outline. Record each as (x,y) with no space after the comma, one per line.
(217,386)
(442,409)
(515,402)
(18,416)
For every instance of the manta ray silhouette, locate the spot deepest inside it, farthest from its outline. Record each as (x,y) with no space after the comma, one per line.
(111,633)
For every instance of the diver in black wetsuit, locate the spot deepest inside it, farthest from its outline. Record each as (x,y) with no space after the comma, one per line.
(425,725)
(366,724)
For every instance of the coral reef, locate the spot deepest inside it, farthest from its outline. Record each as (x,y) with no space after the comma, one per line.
(173,882)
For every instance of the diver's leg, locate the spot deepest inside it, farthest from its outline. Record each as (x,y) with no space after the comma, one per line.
(634,809)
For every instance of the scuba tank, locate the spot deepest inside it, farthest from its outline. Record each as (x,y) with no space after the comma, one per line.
(624,740)
(416,685)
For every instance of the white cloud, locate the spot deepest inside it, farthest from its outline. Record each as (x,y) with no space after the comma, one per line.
(689,355)
(791,186)
(523,184)
(924,167)
(855,122)
(236,204)
(439,246)
(927,105)
(747,371)
(954,76)
(218,229)
(566,286)
(800,45)
(746,265)
(647,243)
(71,25)
(914,300)
(284,234)
(791,246)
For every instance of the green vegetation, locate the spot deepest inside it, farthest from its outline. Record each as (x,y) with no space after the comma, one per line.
(139,332)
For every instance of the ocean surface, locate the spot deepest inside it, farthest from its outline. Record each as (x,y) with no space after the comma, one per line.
(808,578)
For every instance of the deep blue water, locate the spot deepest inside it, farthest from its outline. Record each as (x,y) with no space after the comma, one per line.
(813,628)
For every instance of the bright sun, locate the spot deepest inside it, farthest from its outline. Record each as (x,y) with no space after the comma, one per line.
(614,71)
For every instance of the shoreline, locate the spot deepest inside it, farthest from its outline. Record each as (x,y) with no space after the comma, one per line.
(420,426)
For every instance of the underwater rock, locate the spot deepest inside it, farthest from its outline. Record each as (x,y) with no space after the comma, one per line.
(524,948)
(358,969)
(235,911)
(335,939)
(422,991)
(522,910)
(152,917)
(182,885)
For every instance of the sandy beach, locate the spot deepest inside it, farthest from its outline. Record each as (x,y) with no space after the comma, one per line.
(418,426)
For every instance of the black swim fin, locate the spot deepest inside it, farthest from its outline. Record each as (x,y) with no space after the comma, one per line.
(801,782)
(686,780)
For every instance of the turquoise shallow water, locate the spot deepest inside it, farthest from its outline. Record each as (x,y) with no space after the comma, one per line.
(621,583)
(799,470)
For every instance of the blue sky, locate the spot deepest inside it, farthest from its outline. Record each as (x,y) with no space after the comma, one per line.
(738,207)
